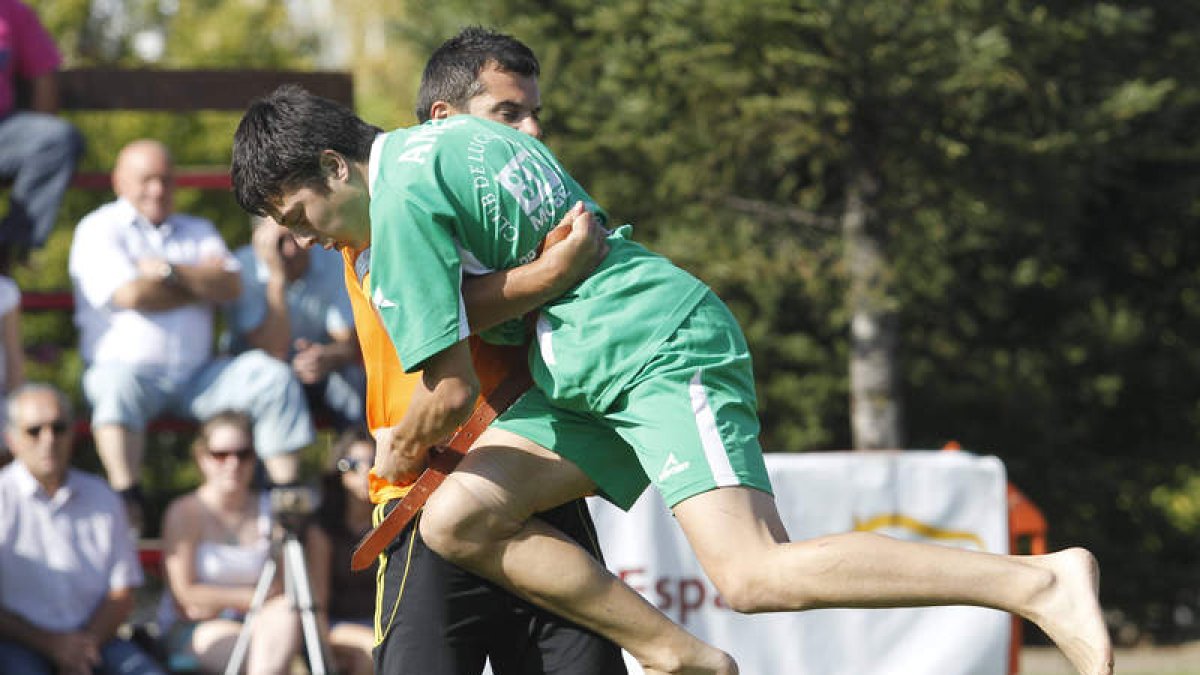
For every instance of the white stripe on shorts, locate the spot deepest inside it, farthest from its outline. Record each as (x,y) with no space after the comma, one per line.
(545,339)
(710,439)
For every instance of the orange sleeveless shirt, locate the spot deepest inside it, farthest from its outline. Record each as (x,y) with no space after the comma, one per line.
(389,388)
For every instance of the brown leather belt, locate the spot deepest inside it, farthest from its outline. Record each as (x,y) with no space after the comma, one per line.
(442,460)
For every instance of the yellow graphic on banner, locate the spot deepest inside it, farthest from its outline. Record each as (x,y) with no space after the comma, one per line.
(903,522)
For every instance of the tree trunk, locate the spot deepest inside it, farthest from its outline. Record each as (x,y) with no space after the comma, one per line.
(876,413)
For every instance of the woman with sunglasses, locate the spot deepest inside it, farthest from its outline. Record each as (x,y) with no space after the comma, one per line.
(344,517)
(216,540)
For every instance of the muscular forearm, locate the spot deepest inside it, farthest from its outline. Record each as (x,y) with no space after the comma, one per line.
(441,402)
(507,294)
(434,414)
(571,250)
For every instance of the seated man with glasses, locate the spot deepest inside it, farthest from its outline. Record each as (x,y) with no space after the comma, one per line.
(67,562)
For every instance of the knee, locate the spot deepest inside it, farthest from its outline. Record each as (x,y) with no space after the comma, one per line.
(117,397)
(269,375)
(459,527)
(263,365)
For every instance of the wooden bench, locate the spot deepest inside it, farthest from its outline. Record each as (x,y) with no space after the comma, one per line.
(118,89)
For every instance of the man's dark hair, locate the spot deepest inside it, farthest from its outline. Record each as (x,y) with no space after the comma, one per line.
(452,73)
(278,144)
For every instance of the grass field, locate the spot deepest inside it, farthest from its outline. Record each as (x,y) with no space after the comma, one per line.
(1173,660)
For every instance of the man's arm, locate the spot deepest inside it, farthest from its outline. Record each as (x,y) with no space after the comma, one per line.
(571,251)
(442,401)
(273,334)
(315,360)
(160,286)
(74,653)
(108,617)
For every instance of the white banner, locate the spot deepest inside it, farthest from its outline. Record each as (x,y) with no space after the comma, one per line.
(950,498)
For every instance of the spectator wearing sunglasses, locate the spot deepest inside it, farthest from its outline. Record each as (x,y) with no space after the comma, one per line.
(344,517)
(216,540)
(68,566)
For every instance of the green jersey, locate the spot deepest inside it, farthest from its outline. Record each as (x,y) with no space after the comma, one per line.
(467,196)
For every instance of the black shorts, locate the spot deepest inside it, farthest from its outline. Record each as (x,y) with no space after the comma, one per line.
(437,619)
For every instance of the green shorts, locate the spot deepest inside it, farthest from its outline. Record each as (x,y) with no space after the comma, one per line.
(688,421)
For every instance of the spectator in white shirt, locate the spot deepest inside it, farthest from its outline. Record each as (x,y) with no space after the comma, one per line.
(146,283)
(67,563)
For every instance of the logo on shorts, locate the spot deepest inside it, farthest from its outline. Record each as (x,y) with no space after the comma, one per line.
(672,467)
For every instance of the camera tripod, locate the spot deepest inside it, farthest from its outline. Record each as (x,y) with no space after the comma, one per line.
(299,592)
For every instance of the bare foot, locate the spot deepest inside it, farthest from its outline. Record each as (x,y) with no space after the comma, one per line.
(1068,610)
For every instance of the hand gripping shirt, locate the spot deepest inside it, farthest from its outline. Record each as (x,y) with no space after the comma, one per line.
(466,196)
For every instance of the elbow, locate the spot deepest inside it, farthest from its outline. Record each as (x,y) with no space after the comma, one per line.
(459,398)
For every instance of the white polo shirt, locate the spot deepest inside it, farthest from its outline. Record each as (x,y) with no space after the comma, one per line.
(104,253)
(60,556)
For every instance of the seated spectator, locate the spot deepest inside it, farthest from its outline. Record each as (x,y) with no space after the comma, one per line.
(12,355)
(67,563)
(294,307)
(146,283)
(216,540)
(38,151)
(346,598)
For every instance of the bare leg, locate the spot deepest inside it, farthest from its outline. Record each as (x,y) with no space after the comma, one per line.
(120,450)
(479,519)
(352,645)
(212,643)
(741,543)
(275,638)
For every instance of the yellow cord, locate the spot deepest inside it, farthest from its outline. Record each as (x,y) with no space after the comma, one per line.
(380,630)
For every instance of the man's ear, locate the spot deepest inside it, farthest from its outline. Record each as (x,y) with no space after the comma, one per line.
(440,110)
(334,165)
